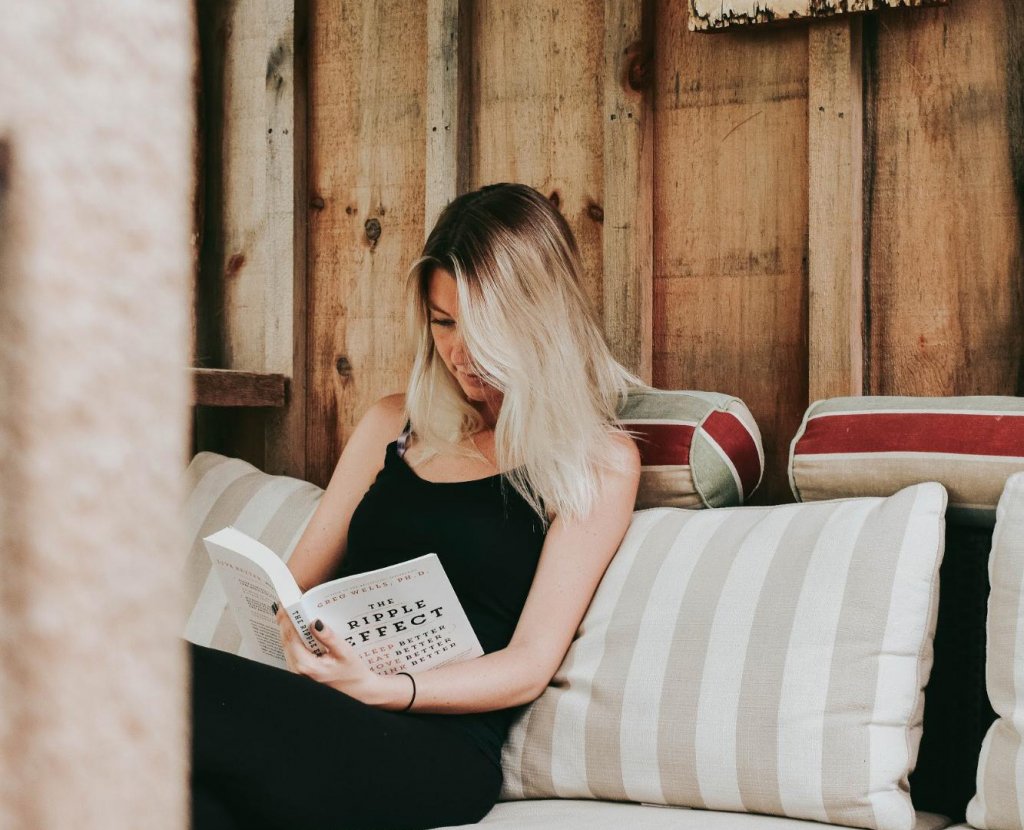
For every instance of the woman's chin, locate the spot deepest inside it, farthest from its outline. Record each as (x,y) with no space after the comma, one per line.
(475,393)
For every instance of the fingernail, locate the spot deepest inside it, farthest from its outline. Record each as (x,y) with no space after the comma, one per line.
(273,607)
(319,625)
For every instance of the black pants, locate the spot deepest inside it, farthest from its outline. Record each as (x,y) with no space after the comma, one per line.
(272,749)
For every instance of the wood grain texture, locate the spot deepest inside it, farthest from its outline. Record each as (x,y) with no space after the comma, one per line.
(537,94)
(225,387)
(256,59)
(730,234)
(367,198)
(835,209)
(448,82)
(629,183)
(943,201)
(709,15)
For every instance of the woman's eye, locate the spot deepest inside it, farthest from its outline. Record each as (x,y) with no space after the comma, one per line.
(443,323)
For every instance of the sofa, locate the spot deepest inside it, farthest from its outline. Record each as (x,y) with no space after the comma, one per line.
(810,664)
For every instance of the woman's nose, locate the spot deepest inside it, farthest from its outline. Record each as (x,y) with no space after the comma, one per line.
(459,355)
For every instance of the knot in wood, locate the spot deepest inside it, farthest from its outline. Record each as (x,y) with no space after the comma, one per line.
(372,228)
(595,212)
(639,74)
(343,367)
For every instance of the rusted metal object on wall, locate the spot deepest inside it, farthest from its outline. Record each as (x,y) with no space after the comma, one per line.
(708,15)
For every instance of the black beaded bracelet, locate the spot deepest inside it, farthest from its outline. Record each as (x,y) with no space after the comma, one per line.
(413,700)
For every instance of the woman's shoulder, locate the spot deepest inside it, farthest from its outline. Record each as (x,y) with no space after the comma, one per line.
(624,452)
(391,407)
(382,422)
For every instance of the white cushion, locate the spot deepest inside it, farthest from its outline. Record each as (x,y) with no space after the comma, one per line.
(999,802)
(225,491)
(608,815)
(757,659)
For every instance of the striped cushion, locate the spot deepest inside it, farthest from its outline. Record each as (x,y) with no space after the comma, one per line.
(755,659)
(873,446)
(226,491)
(697,449)
(999,803)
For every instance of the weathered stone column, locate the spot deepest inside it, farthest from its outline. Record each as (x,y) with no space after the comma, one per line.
(95,184)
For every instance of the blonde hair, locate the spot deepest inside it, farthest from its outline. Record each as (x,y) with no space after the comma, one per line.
(530,332)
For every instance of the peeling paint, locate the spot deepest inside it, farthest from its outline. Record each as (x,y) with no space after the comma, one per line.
(707,15)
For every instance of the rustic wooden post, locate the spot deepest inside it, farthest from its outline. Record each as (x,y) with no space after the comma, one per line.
(835,217)
(265,204)
(448,135)
(94,285)
(628,243)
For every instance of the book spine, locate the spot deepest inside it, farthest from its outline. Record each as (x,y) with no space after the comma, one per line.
(302,626)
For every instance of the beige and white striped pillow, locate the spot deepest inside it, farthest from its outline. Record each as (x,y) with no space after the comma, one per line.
(999,802)
(754,659)
(227,491)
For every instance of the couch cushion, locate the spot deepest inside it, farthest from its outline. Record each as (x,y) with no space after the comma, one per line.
(873,446)
(999,803)
(762,659)
(226,491)
(697,449)
(608,815)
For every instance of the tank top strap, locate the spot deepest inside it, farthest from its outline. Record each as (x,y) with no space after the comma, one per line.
(402,442)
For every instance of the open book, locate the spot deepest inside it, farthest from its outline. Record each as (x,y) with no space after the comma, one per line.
(405,617)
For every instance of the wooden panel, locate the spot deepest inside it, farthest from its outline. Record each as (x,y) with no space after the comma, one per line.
(536,115)
(448,82)
(716,14)
(256,58)
(730,206)
(944,219)
(835,209)
(367,160)
(629,182)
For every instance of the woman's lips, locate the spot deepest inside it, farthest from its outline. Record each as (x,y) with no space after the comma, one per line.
(471,378)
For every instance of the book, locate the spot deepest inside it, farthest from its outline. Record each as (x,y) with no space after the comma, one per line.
(404,617)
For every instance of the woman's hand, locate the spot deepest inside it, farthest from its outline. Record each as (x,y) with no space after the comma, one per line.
(339,667)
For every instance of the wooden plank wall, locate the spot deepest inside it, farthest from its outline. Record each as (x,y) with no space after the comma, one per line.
(730,221)
(831,207)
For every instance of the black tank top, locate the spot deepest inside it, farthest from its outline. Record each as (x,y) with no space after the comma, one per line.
(487,538)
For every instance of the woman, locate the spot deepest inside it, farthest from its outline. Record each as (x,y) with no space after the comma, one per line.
(503,458)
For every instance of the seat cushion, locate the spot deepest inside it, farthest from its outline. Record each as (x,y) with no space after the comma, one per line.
(609,815)
(759,659)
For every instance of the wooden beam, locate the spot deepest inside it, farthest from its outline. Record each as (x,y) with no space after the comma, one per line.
(448,134)
(265,205)
(224,387)
(835,210)
(628,243)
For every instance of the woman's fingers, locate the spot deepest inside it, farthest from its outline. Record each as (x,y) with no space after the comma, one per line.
(327,638)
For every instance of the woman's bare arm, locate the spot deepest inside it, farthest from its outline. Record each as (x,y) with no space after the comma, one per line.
(322,547)
(573,560)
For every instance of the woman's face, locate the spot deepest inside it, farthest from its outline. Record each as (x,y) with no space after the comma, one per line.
(443,302)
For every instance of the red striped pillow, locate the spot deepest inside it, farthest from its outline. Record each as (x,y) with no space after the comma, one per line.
(875,446)
(697,449)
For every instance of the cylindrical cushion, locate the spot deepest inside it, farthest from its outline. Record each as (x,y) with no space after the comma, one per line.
(875,446)
(697,449)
